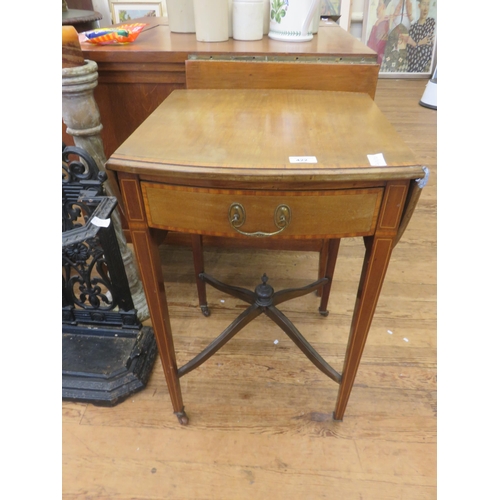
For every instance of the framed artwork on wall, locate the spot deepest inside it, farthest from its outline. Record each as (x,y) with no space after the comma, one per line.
(126,10)
(330,8)
(403,33)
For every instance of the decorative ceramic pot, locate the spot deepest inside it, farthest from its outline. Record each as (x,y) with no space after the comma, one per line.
(316,18)
(267,9)
(211,19)
(290,20)
(181,16)
(248,19)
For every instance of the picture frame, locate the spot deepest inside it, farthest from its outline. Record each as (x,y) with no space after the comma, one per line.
(404,35)
(330,8)
(127,10)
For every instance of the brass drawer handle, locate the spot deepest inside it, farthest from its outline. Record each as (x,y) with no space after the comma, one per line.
(237,217)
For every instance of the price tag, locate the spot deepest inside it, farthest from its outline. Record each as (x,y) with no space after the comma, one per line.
(303,159)
(377,160)
(100,222)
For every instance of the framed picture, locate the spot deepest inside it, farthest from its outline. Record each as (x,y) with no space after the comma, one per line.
(329,8)
(126,10)
(403,33)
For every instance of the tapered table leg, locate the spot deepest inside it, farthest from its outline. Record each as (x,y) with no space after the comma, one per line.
(199,267)
(323,259)
(333,252)
(376,262)
(149,263)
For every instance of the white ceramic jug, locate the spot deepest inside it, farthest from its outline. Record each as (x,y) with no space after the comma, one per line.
(290,20)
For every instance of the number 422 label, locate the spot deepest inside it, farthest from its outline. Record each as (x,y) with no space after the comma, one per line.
(303,159)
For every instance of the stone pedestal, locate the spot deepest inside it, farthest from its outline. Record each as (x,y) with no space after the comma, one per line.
(83,121)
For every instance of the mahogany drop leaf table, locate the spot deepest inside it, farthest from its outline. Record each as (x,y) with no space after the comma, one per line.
(281,164)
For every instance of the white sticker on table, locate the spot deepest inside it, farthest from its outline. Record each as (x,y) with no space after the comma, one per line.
(303,159)
(377,160)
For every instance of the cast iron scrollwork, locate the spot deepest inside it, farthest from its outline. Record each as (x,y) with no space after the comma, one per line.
(79,173)
(95,285)
(86,280)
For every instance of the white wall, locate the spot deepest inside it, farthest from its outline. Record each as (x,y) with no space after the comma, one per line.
(102,6)
(357,10)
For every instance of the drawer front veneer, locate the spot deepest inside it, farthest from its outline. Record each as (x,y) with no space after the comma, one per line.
(312,214)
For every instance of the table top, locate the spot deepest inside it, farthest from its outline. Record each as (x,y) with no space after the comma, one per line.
(157,39)
(229,133)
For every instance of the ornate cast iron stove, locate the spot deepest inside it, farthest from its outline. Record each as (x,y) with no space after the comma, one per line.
(107,354)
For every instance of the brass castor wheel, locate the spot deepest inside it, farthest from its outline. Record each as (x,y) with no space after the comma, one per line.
(182,417)
(324,313)
(205,310)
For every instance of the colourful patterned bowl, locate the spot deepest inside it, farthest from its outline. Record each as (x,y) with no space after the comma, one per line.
(125,33)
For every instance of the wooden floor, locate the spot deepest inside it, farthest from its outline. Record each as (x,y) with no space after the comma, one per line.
(260,412)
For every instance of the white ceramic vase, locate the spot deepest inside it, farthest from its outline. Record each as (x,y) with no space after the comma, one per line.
(230,17)
(290,21)
(248,19)
(181,16)
(211,20)
(315,19)
(267,10)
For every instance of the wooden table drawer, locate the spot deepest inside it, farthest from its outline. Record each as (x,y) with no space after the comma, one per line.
(310,214)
